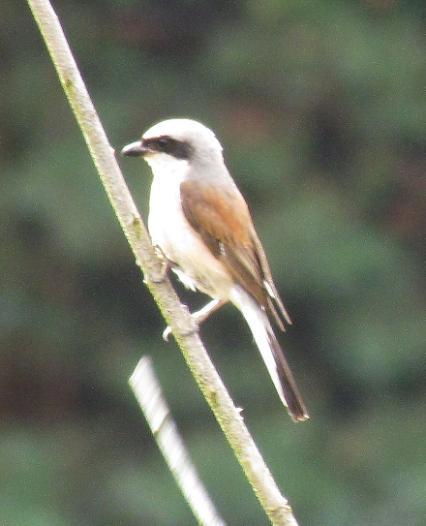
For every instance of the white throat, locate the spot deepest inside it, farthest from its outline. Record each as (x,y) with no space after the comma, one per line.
(163,165)
(165,202)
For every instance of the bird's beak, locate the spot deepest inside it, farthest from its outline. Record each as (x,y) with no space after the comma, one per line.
(135,149)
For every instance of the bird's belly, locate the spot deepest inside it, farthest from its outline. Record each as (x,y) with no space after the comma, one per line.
(196,266)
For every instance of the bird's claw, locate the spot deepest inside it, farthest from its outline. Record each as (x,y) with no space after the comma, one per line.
(197,318)
(186,331)
(166,333)
(161,275)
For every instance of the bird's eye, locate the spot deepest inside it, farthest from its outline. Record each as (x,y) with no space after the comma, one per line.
(163,142)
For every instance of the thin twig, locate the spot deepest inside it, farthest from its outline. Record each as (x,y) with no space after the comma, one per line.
(147,390)
(259,476)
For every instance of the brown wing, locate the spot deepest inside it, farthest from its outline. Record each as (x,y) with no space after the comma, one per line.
(222,219)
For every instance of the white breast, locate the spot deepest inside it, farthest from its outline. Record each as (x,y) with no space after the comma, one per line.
(170,230)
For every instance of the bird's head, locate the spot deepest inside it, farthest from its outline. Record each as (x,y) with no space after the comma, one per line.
(176,140)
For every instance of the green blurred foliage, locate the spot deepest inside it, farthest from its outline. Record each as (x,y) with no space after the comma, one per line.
(322,112)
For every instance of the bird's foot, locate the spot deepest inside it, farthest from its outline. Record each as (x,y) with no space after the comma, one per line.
(166,333)
(165,265)
(198,317)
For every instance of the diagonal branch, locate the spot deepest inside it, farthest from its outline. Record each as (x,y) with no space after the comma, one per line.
(231,422)
(147,390)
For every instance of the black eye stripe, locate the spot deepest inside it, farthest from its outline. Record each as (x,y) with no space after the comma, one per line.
(165,144)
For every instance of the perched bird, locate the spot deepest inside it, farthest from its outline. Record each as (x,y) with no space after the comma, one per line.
(202,225)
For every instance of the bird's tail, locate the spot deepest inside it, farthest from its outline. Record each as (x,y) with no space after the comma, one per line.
(272,354)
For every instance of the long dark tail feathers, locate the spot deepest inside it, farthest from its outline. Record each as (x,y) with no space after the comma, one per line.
(271,353)
(289,394)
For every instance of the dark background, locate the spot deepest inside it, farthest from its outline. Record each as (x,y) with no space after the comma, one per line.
(321,109)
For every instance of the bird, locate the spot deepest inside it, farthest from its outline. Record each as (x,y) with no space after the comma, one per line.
(202,226)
